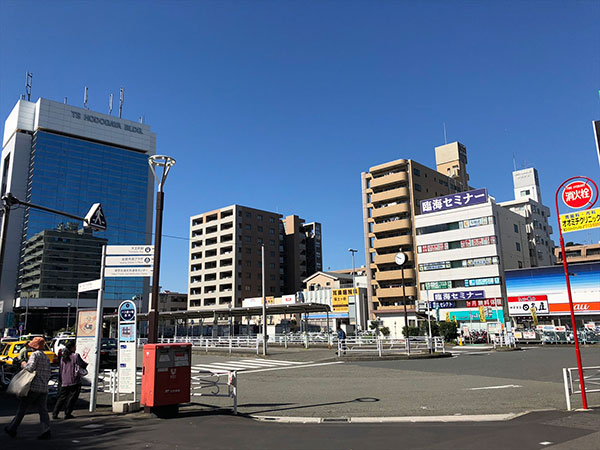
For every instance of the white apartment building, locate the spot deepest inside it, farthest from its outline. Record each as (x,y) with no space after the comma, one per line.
(528,203)
(462,253)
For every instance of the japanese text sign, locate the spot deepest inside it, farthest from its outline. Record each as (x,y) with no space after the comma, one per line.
(580,220)
(458,200)
(463,295)
(577,194)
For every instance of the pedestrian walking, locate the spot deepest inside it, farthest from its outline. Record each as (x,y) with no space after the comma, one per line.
(72,368)
(23,355)
(38,392)
(341,335)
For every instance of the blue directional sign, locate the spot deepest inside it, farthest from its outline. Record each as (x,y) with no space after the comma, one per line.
(127,311)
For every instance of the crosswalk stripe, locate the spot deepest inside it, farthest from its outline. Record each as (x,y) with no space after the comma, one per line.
(274,362)
(232,363)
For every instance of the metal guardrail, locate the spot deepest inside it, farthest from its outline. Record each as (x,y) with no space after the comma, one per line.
(230,344)
(592,381)
(216,385)
(388,346)
(504,340)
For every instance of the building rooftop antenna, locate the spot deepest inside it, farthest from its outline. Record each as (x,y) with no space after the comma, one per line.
(110,104)
(85,97)
(65,100)
(28,80)
(121,99)
(514,162)
(445,137)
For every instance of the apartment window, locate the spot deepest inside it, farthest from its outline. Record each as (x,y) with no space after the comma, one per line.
(271,266)
(272,277)
(248,263)
(260,229)
(525,192)
(248,238)
(248,227)
(271,219)
(272,290)
(271,242)
(417,172)
(516,228)
(417,187)
(248,214)
(271,231)
(259,216)
(272,253)
(518,247)
(520,264)
(248,250)
(246,288)
(259,240)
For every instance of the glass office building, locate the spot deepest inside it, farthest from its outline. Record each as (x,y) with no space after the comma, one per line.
(71,174)
(68,158)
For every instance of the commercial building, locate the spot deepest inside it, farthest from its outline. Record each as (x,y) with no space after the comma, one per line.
(545,289)
(577,253)
(67,158)
(225,255)
(463,250)
(391,194)
(302,251)
(528,203)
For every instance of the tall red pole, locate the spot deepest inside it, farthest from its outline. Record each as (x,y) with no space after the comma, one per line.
(573,324)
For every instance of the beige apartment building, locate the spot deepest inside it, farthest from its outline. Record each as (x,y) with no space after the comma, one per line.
(225,255)
(578,253)
(391,195)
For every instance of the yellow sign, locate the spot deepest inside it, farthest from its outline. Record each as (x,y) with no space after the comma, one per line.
(580,220)
(481,314)
(533,311)
(339,300)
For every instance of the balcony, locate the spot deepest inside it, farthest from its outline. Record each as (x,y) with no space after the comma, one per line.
(409,274)
(391,210)
(400,224)
(396,241)
(390,195)
(396,292)
(389,179)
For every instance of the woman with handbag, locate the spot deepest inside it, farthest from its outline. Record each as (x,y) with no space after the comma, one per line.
(35,392)
(72,368)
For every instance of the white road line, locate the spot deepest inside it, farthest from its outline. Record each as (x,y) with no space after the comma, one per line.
(495,387)
(273,362)
(294,367)
(221,367)
(239,363)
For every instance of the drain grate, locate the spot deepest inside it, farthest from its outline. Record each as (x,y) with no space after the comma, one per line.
(335,420)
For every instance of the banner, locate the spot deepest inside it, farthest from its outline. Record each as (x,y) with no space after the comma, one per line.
(580,220)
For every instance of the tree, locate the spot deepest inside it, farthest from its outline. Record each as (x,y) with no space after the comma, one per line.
(449,330)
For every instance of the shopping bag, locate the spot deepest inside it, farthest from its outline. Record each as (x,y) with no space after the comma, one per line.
(20,383)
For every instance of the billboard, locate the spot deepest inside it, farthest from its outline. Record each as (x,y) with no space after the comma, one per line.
(458,200)
(549,285)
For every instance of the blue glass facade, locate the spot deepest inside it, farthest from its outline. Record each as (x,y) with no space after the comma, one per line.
(70,174)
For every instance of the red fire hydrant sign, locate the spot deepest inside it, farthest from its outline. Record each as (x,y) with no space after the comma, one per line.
(577,194)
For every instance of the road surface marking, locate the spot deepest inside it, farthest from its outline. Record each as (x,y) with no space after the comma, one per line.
(295,367)
(495,387)
(244,365)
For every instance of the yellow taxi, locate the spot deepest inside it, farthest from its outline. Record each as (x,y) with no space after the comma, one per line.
(10,350)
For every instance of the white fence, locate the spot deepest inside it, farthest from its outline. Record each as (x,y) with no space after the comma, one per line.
(591,377)
(222,343)
(505,340)
(389,346)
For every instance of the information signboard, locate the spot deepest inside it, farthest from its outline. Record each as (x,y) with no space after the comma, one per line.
(86,340)
(127,351)
(580,220)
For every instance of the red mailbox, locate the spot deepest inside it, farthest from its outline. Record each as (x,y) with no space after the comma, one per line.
(166,375)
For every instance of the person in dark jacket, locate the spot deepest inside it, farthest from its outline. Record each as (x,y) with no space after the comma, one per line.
(38,392)
(71,365)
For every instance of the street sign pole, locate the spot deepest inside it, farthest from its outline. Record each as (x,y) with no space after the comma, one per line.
(99,307)
(568,281)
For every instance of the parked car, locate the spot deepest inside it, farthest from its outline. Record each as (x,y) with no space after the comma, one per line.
(108,353)
(58,343)
(10,350)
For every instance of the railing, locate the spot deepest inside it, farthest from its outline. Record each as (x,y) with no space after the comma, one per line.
(592,381)
(214,383)
(221,343)
(390,346)
(504,340)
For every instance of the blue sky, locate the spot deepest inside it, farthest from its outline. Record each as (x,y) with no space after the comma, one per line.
(280,105)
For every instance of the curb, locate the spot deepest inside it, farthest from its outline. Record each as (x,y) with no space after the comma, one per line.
(398,419)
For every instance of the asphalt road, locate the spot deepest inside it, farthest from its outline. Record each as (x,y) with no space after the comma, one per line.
(303,385)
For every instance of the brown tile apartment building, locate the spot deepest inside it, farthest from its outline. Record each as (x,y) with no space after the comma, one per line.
(391,199)
(225,255)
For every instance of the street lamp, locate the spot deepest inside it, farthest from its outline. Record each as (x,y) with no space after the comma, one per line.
(68,315)
(157,162)
(353,251)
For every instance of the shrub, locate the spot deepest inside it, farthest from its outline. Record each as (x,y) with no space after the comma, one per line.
(448,330)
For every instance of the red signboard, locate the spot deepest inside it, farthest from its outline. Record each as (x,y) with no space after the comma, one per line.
(578,308)
(577,194)
(528,298)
